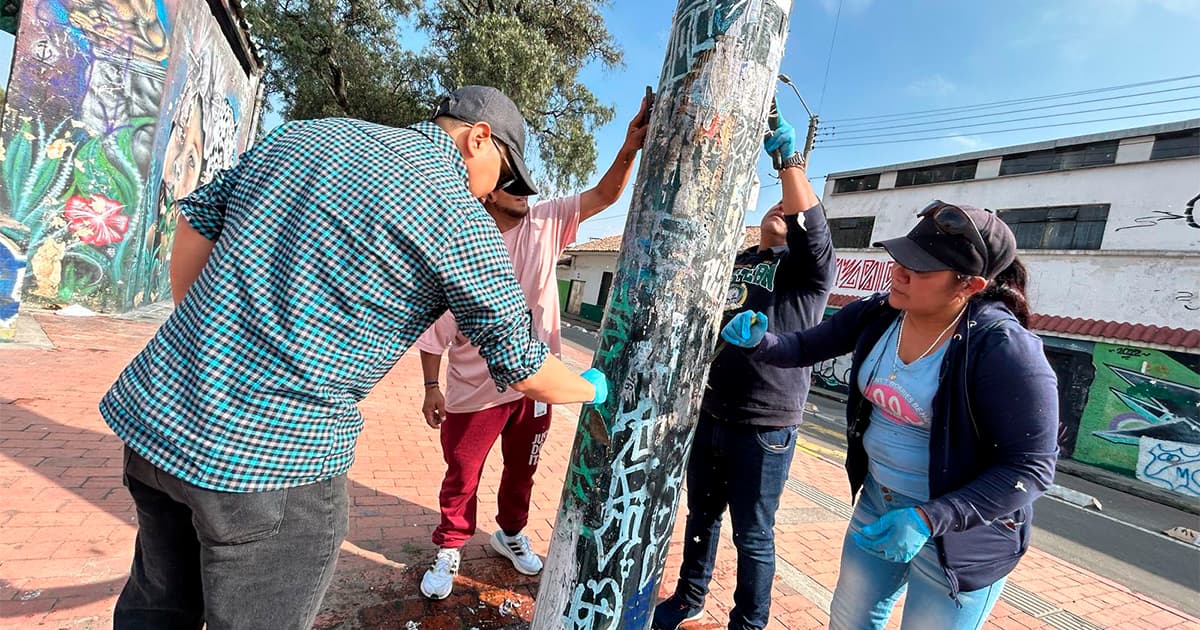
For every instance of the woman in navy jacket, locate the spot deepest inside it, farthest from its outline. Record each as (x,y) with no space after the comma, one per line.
(952,422)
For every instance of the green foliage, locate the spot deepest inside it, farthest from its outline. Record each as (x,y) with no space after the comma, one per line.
(389,61)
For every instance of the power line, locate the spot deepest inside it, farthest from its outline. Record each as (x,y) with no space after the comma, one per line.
(981,133)
(829,57)
(1031,99)
(1012,120)
(1010,111)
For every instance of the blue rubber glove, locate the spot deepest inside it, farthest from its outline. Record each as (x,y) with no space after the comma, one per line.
(782,140)
(746,329)
(600,382)
(897,535)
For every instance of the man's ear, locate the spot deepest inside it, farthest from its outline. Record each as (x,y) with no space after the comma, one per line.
(478,137)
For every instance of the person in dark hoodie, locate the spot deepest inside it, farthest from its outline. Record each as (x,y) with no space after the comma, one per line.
(952,421)
(746,433)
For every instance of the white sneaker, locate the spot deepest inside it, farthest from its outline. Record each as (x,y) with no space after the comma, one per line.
(517,550)
(439,579)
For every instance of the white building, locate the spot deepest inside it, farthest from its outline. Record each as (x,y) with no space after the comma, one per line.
(1109,229)
(1108,226)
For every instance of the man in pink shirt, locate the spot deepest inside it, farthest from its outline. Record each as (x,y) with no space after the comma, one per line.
(472,414)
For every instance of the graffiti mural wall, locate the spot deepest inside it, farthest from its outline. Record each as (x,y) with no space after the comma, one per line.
(1143,416)
(97,96)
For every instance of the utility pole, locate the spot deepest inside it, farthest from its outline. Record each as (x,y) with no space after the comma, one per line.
(695,182)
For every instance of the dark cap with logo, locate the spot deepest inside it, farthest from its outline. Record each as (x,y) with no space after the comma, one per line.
(480,103)
(959,238)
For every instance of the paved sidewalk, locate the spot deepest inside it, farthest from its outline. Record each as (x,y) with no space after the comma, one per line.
(66,524)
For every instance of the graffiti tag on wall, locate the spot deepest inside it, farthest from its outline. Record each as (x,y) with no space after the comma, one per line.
(864,274)
(1170,465)
(1161,216)
(1138,394)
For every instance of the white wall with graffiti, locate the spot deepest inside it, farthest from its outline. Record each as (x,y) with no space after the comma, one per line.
(1151,203)
(1152,288)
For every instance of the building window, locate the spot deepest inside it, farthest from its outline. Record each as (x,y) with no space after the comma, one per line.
(1058,227)
(852,232)
(856,184)
(937,174)
(1060,159)
(1173,145)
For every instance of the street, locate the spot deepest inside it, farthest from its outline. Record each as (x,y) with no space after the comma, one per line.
(1123,542)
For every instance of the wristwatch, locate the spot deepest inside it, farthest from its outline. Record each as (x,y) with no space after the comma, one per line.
(795,160)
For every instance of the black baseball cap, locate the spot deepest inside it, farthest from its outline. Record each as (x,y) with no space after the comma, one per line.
(480,103)
(959,238)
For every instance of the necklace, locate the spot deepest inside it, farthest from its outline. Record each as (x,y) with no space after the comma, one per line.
(900,339)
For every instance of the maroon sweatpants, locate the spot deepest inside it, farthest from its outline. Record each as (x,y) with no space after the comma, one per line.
(466,440)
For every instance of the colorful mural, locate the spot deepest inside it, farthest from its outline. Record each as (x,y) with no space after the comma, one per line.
(82,149)
(208,115)
(1139,397)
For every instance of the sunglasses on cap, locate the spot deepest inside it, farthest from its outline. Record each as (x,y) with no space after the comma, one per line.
(950,219)
(507,175)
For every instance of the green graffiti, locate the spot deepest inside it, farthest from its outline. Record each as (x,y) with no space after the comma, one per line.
(1137,393)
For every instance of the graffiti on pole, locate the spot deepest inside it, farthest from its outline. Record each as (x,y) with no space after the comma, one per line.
(695,181)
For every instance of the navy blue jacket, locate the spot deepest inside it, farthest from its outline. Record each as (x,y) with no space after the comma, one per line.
(791,285)
(993,437)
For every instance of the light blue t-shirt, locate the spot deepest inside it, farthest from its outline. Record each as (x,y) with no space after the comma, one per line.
(897,441)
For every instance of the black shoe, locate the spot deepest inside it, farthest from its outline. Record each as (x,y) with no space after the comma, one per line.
(673,612)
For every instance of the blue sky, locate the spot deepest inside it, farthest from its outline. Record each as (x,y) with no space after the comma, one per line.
(894,56)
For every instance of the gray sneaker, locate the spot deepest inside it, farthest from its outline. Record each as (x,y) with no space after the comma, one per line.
(439,579)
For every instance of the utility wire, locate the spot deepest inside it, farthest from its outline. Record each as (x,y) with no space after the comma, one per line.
(1010,111)
(1031,99)
(829,57)
(980,133)
(1011,120)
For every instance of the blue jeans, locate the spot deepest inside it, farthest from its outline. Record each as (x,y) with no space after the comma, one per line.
(868,586)
(741,467)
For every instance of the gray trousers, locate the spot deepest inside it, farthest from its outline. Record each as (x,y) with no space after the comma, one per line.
(229,560)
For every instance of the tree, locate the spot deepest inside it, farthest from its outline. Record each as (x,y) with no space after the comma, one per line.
(359,58)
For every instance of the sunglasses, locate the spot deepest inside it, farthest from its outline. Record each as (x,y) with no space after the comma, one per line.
(507,174)
(951,219)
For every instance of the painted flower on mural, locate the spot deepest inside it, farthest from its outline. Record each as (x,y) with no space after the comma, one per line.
(58,148)
(96,220)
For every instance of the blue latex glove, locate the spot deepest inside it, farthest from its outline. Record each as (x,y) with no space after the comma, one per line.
(746,329)
(897,535)
(783,140)
(600,382)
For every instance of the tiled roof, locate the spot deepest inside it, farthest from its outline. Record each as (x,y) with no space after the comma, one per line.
(1105,329)
(613,243)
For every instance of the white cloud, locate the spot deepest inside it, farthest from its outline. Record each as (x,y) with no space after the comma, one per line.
(970,143)
(936,85)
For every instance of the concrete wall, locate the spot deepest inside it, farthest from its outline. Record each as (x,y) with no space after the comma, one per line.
(1149,200)
(116,109)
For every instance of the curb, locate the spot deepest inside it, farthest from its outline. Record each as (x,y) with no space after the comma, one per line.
(1129,486)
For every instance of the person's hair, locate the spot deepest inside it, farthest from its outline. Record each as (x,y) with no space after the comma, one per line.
(1008,288)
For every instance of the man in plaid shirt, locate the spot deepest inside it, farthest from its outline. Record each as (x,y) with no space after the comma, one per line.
(301,277)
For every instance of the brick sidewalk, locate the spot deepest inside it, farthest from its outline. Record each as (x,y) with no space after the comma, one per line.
(66,524)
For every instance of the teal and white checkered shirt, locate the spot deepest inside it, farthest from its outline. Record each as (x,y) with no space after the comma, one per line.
(337,243)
